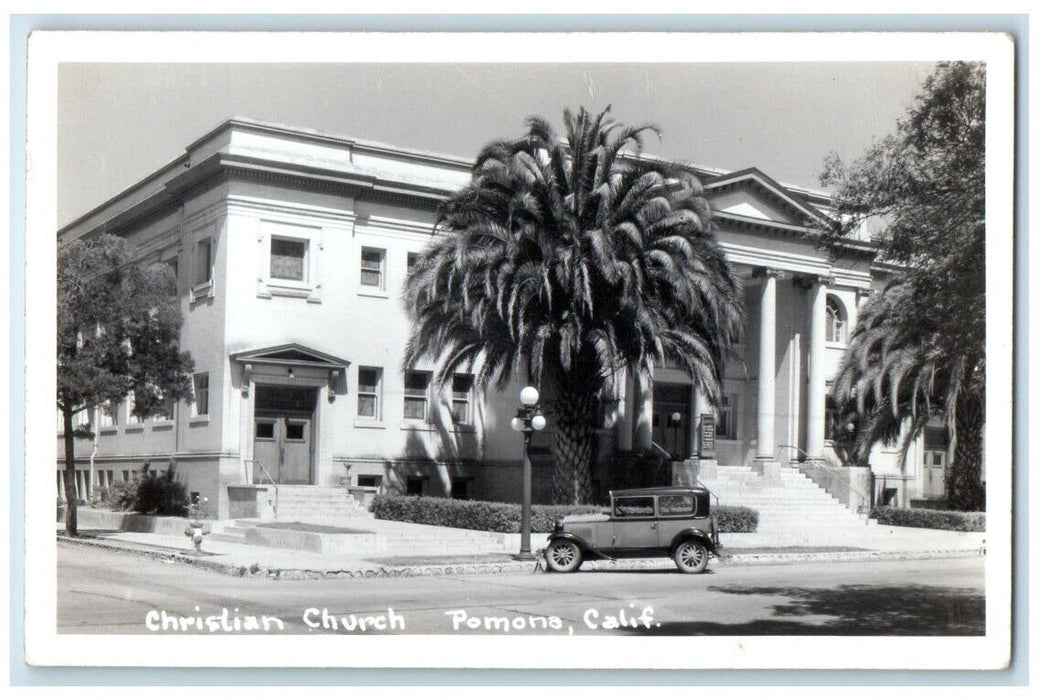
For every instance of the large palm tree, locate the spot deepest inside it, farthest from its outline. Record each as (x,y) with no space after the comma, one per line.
(571,260)
(901,370)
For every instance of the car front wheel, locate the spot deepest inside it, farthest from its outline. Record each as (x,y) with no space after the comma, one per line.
(691,557)
(563,556)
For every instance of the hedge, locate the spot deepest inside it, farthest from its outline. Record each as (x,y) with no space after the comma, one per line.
(732,519)
(933,519)
(470,515)
(505,517)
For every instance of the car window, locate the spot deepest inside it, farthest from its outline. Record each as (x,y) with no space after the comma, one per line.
(633,506)
(678,504)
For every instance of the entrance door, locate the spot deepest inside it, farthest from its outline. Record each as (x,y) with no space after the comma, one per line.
(283,445)
(934,473)
(671,417)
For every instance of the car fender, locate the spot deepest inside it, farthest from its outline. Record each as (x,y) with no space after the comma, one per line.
(586,548)
(693,533)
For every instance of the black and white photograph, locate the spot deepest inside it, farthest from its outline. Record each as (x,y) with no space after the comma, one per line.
(519,350)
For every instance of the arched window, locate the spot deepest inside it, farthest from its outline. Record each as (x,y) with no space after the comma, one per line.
(836,321)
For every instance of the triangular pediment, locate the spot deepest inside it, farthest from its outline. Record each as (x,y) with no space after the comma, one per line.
(292,353)
(751,195)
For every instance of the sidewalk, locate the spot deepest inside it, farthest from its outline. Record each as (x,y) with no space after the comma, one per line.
(877,542)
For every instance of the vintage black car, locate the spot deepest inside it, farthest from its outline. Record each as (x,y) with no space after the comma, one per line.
(673,521)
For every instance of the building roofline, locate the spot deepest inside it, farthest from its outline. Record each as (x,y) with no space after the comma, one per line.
(798,194)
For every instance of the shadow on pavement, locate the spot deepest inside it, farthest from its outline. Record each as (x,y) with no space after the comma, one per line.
(662,570)
(849,611)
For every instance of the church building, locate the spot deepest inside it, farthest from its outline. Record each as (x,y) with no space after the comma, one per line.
(290,249)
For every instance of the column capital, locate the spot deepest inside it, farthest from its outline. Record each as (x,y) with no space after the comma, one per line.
(810,281)
(768,272)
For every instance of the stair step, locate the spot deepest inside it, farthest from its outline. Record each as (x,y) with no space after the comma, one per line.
(791,504)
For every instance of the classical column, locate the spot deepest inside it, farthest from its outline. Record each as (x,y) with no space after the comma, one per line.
(817,371)
(767,368)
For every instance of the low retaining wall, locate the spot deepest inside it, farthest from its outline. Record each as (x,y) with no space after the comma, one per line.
(88,518)
(849,485)
(322,543)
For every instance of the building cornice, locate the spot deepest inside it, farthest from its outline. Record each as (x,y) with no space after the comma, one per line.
(386,174)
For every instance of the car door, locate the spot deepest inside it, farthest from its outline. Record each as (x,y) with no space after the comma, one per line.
(634,522)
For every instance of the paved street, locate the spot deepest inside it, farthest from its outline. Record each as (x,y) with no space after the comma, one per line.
(101,591)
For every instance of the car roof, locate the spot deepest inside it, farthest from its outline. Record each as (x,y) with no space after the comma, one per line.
(658,490)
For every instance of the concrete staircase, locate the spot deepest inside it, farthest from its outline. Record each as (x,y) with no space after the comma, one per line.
(796,506)
(316,503)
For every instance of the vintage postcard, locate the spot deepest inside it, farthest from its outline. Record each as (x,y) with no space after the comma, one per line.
(675,351)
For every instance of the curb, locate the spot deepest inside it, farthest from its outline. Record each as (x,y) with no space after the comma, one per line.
(517,567)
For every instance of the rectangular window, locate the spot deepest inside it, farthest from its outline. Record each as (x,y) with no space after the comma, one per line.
(172,263)
(726,426)
(166,409)
(109,414)
(372,263)
(460,489)
(289,259)
(201,386)
(203,261)
(369,380)
(833,417)
(413,259)
(416,392)
(295,431)
(633,507)
(461,399)
(370,481)
(678,504)
(131,406)
(264,429)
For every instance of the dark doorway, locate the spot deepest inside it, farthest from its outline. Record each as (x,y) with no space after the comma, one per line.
(283,434)
(671,414)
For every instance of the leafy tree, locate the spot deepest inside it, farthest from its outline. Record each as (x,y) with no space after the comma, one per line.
(571,259)
(118,332)
(919,348)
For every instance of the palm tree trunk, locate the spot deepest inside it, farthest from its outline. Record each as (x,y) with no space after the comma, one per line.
(965,491)
(572,479)
(71,496)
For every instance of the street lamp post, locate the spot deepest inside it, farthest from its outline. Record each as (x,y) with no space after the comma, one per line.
(528,419)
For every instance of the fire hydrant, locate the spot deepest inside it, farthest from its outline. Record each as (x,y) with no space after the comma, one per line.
(196,528)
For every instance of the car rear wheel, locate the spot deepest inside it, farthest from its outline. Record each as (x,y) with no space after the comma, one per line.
(691,557)
(563,556)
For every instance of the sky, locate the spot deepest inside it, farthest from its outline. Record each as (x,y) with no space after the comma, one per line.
(118,122)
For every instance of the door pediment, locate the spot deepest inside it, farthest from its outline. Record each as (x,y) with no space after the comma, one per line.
(291,354)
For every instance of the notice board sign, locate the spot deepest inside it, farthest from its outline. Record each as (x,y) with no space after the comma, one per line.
(707,435)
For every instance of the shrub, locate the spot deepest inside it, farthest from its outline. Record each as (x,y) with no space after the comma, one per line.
(161,494)
(736,519)
(116,496)
(505,517)
(933,519)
